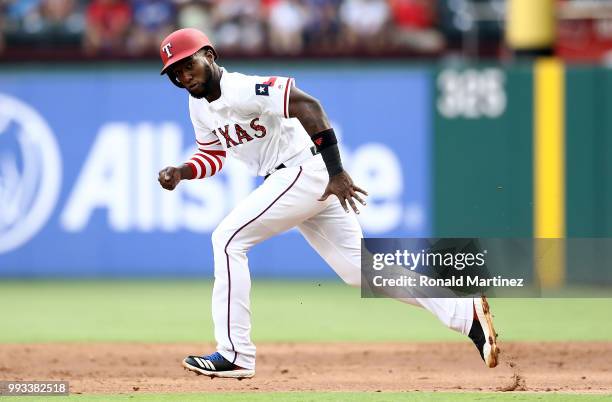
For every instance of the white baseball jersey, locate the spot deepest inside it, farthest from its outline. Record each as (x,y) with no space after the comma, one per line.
(250,121)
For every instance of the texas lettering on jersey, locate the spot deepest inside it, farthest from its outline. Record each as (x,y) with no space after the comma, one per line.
(240,134)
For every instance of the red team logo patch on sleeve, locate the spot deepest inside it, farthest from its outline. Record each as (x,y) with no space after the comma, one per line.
(270,82)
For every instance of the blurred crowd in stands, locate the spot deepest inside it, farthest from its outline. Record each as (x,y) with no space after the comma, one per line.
(283,27)
(134,28)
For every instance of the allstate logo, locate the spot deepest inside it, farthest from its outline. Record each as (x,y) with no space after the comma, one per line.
(30,172)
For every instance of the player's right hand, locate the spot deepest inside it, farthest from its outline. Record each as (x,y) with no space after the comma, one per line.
(169,177)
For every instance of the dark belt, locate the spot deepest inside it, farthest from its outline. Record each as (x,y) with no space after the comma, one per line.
(313,150)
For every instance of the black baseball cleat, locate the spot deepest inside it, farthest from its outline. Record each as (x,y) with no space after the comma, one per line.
(215,365)
(483,334)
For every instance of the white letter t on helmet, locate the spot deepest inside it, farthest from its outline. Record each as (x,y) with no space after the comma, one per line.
(166,49)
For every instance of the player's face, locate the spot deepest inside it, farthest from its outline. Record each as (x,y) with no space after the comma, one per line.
(195,74)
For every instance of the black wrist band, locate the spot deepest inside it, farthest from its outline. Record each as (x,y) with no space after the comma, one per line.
(324,139)
(327,145)
(331,157)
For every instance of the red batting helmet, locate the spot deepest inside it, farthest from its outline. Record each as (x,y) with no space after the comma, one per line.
(181,44)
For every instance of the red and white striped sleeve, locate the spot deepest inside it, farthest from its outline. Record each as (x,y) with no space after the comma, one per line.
(208,159)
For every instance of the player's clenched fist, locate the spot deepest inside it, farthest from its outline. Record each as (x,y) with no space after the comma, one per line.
(169,177)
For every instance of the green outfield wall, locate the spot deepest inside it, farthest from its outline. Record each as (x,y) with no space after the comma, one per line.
(589,151)
(484,151)
(525,150)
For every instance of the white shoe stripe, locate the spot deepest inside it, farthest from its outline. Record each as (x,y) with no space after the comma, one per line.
(204,363)
(200,362)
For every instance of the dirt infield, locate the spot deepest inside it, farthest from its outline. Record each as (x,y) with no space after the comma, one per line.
(127,368)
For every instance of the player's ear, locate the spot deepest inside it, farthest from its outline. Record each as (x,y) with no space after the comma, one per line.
(209,53)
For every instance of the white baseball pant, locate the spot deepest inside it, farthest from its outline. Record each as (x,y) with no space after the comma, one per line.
(289,198)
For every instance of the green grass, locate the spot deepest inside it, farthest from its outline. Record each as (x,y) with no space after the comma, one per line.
(336,396)
(177,311)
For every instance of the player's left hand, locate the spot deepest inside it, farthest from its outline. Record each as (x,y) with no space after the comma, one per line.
(341,185)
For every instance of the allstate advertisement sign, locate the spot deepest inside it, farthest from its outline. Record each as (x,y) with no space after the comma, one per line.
(30,172)
(80,152)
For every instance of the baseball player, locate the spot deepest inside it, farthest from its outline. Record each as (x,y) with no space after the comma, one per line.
(282,133)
